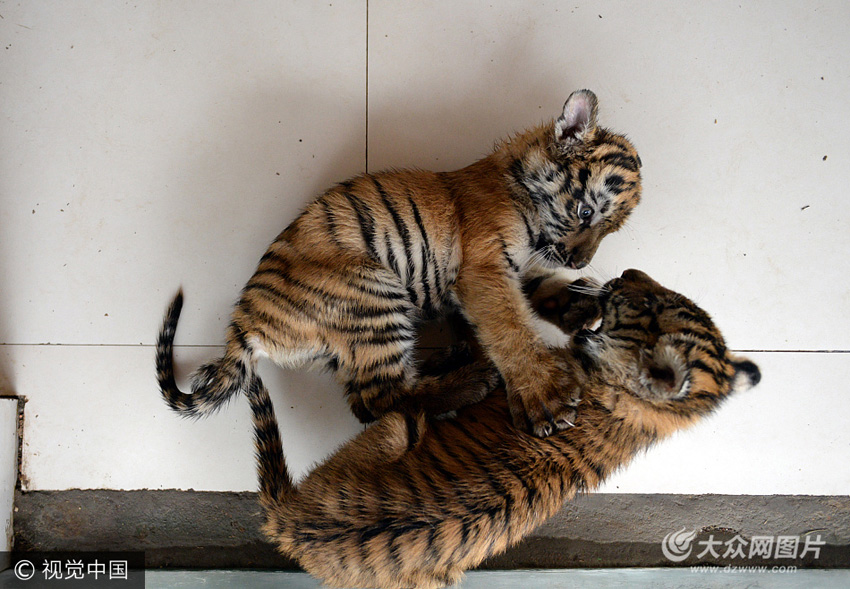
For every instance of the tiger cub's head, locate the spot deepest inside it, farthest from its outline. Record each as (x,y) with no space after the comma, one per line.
(663,348)
(582,181)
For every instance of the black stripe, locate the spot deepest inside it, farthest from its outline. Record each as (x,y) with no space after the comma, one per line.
(687,315)
(699,332)
(620,159)
(530,489)
(435,552)
(464,534)
(517,172)
(513,266)
(562,223)
(272,254)
(568,176)
(290,281)
(383,339)
(370,290)
(365,561)
(435,489)
(360,310)
(614,183)
(392,262)
(484,471)
(382,382)
(394,548)
(239,334)
(418,219)
(583,175)
(532,238)
(579,194)
(412,434)
(718,377)
(440,469)
(310,309)
(576,478)
(429,267)
(301,307)
(366,222)
(626,338)
(330,220)
(495,512)
(394,359)
(414,489)
(428,305)
(370,331)
(401,227)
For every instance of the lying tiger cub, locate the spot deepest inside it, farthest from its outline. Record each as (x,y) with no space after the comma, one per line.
(414,501)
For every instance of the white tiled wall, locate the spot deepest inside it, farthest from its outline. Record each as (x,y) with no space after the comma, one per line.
(145,146)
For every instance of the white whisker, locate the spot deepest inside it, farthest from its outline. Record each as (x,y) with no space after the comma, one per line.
(535,259)
(601,277)
(594,291)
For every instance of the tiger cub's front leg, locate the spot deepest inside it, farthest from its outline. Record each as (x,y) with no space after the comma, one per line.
(541,389)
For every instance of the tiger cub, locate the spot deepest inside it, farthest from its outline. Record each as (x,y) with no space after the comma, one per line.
(413,502)
(348,281)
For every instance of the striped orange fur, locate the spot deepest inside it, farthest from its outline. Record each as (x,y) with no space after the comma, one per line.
(347,283)
(413,502)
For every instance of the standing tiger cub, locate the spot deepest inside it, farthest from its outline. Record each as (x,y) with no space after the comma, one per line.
(347,282)
(413,502)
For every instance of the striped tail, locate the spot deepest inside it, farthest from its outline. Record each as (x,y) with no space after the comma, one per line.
(276,487)
(212,385)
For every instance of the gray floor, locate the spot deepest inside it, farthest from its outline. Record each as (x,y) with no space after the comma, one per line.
(537,579)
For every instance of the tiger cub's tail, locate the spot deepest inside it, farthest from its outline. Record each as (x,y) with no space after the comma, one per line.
(276,486)
(213,384)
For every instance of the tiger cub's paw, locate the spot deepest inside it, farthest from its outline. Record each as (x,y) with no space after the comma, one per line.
(465,385)
(548,406)
(571,306)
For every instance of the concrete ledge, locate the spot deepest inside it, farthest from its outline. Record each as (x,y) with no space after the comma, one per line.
(189,529)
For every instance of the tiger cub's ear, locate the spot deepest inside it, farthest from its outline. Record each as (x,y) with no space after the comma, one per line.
(747,374)
(664,373)
(578,121)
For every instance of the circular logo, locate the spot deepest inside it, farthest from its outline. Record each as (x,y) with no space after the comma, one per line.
(677,545)
(24,570)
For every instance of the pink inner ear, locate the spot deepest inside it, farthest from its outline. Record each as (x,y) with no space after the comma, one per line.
(575,119)
(578,115)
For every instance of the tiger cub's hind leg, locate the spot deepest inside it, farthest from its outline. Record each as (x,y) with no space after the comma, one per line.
(450,380)
(378,368)
(454,379)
